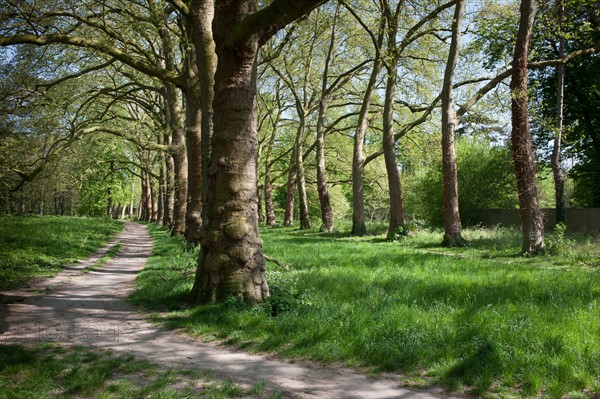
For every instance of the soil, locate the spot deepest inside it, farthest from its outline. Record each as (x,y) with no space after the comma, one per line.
(90,309)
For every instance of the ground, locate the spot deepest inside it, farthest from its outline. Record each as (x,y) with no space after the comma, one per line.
(87,306)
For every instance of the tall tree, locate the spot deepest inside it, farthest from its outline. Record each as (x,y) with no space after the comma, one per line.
(521,146)
(452,224)
(231,261)
(557,170)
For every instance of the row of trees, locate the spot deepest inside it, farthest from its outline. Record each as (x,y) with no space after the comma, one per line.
(210,117)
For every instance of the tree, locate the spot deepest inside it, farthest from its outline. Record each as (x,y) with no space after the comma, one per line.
(231,261)
(521,146)
(452,225)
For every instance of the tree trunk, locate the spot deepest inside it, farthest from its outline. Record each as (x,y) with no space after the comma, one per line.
(42,200)
(288,217)
(202,12)
(268,186)
(152,195)
(161,190)
(300,180)
(389,153)
(358,157)
(193,217)
(169,206)
(452,225)
(179,161)
(522,149)
(231,262)
(322,187)
(557,171)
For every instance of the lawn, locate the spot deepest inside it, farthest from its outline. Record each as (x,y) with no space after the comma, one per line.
(42,246)
(480,320)
(50,371)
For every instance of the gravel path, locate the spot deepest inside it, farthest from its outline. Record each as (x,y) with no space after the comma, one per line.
(90,309)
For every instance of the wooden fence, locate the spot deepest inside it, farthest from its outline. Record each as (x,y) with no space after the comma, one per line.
(579,220)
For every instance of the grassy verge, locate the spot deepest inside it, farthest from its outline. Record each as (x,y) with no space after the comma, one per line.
(480,320)
(41,246)
(49,371)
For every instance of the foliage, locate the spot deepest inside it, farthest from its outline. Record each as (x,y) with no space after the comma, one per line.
(477,319)
(42,246)
(485,180)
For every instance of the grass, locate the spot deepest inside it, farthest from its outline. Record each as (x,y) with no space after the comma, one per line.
(480,319)
(50,371)
(35,247)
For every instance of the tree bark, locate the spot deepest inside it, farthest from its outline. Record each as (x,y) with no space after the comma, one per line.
(521,146)
(358,157)
(169,206)
(179,161)
(389,152)
(193,128)
(231,262)
(557,170)
(288,217)
(452,224)
(268,185)
(300,180)
(161,187)
(322,187)
(202,12)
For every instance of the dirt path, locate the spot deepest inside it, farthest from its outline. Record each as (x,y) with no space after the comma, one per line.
(89,309)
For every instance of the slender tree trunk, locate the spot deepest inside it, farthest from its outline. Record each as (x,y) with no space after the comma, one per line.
(301,182)
(322,187)
(557,170)
(130,214)
(389,153)
(152,194)
(358,157)
(161,190)
(169,206)
(42,200)
(231,261)
(522,149)
(268,186)
(179,161)
(288,217)
(452,224)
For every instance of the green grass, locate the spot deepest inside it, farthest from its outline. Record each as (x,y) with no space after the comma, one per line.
(42,246)
(50,371)
(480,319)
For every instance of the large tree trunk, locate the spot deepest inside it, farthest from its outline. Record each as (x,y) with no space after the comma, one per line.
(389,153)
(193,217)
(301,181)
(288,216)
(522,149)
(202,12)
(452,225)
(179,161)
(231,262)
(557,170)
